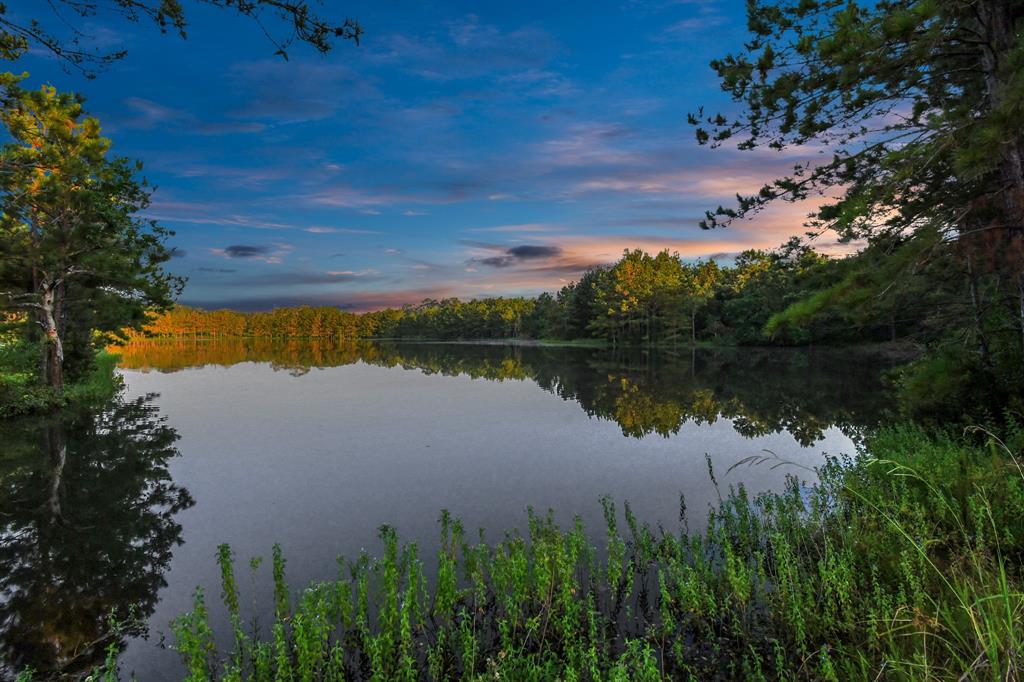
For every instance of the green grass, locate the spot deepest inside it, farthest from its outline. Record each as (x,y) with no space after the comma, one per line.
(901,564)
(99,384)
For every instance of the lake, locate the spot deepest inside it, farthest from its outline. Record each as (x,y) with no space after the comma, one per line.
(315,445)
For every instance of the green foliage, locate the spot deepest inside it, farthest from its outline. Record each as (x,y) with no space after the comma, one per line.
(954,386)
(916,103)
(906,559)
(100,384)
(75,257)
(449,319)
(22,394)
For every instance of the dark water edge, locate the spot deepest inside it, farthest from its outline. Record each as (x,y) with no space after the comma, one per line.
(119,508)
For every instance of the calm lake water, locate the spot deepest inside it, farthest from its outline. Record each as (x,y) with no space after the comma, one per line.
(316,445)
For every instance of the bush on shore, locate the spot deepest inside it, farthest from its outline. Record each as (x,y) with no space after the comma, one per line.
(22,394)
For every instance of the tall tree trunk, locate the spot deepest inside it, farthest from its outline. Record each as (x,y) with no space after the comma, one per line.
(998,22)
(52,369)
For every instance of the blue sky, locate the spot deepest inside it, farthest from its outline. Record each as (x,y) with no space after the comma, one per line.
(463,149)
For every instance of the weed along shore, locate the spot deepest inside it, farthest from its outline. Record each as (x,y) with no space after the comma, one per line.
(914,540)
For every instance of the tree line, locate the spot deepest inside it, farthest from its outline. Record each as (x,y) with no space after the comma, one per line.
(640,300)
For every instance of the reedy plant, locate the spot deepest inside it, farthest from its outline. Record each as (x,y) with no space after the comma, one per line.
(902,564)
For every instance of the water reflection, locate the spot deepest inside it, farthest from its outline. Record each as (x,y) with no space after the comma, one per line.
(87,527)
(762,391)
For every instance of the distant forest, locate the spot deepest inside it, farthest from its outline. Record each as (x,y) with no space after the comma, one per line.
(640,300)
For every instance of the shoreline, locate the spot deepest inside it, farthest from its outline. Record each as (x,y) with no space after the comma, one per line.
(893,350)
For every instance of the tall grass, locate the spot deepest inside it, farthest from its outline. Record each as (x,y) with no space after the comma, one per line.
(99,384)
(901,564)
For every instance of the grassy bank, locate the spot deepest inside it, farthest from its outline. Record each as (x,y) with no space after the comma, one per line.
(903,563)
(22,394)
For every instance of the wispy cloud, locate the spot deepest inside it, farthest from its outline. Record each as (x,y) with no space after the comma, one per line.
(292,92)
(348,196)
(245,251)
(319,229)
(233,220)
(208,213)
(469,48)
(145,114)
(287,278)
(353,301)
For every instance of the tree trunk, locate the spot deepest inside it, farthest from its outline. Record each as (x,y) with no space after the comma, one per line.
(976,307)
(693,327)
(56,445)
(998,25)
(52,369)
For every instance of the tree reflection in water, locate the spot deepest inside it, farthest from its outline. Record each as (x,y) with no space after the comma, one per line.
(762,391)
(87,504)
(87,527)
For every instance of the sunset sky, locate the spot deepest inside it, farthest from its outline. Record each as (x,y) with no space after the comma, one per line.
(463,149)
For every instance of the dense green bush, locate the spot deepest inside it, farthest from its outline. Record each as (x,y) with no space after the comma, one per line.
(20,396)
(953,385)
(21,393)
